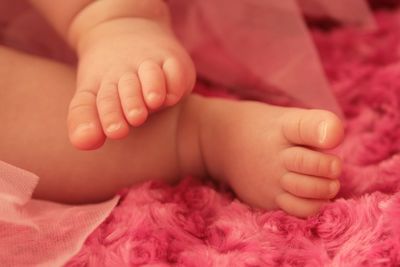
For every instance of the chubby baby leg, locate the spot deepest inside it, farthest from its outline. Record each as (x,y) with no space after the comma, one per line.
(272,157)
(34,99)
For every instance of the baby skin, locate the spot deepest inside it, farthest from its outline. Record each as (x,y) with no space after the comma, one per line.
(272,157)
(128,68)
(130,65)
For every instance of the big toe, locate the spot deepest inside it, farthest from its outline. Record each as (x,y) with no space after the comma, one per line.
(316,128)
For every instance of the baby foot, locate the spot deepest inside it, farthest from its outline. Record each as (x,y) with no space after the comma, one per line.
(273,156)
(128,68)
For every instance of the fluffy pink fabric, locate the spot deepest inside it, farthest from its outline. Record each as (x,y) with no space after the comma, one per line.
(199,224)
(202,224)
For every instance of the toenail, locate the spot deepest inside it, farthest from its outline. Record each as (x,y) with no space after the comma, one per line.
(84,127)
(135,113)
(334,187)
(114,127)
(322,131)
(153,97)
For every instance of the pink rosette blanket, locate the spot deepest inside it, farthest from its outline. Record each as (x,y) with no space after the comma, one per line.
(203,224)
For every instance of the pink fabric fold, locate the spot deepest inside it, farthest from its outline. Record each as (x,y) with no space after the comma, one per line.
(41,233)
(354,12)
(259,44)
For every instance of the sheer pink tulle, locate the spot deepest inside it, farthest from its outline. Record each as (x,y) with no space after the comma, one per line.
(223,35)
(355,12)
(41,233)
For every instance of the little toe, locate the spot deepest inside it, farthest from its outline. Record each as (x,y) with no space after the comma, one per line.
(131,98)
(177,81)
(297,206)
(84,127)
(152,81)
(305,161)
(316,128)
(309,186)
(110,111)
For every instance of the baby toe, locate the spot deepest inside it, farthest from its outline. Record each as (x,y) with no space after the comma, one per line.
(110,111)
(178,79)
(131,98)
(316,128)
(84,126)
(152,81)
(309,162)
(297,206)
(309,186)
